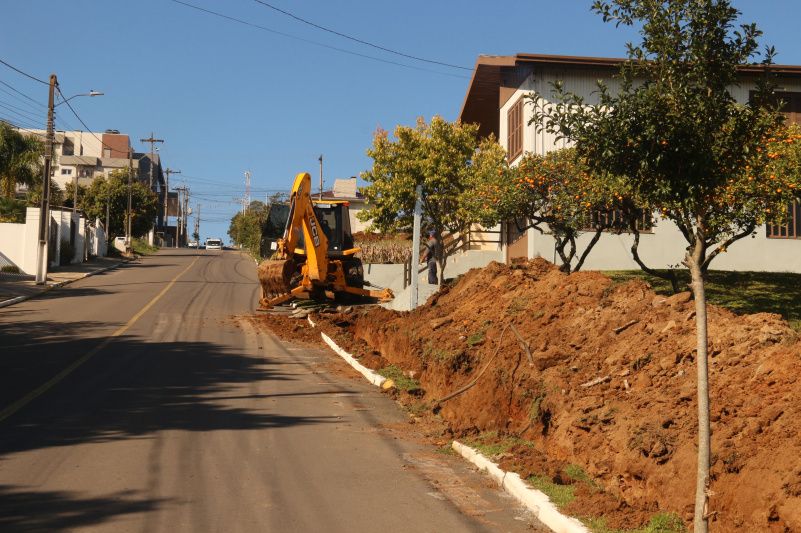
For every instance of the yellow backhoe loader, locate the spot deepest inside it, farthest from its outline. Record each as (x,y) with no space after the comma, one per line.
(315,258)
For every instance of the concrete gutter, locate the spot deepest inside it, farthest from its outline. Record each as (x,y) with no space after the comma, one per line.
(533,500)
(49,288)
(369,374)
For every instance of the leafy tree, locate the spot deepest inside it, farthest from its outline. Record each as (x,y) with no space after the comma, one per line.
(446,159)
(558,194)
(685,145)
(20,160)
(12,210)
(112,192)
(34,196)
(245,228)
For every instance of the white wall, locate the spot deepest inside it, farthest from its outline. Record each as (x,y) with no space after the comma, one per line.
(12,244)
(665,246)
(356,225)
(18,242)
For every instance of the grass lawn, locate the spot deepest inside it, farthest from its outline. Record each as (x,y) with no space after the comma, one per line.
(741,292)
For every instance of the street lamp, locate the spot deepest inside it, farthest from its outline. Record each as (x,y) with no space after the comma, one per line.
(75,178)
(44,206)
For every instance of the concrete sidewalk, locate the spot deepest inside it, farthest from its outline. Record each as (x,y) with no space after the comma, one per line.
(20,287)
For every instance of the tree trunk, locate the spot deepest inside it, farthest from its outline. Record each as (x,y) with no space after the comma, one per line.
(694,262)
(635,254)
(588,249)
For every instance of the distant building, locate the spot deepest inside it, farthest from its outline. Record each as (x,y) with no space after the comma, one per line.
(81,157)
(348,190)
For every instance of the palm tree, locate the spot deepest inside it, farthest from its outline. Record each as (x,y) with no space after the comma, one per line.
(20,160)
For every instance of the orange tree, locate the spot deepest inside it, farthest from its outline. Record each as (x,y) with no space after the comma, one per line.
(446,159)
(558,194)
(714,167)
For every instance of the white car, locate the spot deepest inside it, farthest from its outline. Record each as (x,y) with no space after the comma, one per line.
(192,244)
(213,244)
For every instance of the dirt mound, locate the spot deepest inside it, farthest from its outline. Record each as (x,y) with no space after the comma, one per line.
(609,387)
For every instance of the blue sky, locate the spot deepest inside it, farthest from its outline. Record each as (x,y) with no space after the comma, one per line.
(227,97)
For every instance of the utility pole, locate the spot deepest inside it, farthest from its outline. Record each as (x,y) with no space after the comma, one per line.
(180,226)
(197,223)
(167,172)
(415,260)
(246,199)
(178,218)
(152,142)
(75,191)
(44,205)
(321,176)
(185,212)
(128,213)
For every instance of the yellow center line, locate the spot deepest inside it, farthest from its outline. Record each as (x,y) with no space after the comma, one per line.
(41,389)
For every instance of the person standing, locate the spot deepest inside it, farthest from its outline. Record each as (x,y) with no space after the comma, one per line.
(430,257)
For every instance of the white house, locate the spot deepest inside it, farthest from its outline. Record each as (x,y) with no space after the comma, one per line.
(496,101)
(348,190)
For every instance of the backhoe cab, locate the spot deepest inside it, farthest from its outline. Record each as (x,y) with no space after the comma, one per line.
(314,257)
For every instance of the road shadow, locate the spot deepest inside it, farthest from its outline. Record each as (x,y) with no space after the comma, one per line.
(130,388)
(23,509)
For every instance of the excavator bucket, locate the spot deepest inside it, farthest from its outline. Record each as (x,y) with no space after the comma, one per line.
(275,277)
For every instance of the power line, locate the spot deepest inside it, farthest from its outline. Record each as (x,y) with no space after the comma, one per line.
(18,111)
(21,94)
(315,43)
(357,40)
(17,125)
(34,78)
(88,129)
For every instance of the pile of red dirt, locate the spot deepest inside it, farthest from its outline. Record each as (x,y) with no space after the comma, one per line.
(610,386)
(289,328)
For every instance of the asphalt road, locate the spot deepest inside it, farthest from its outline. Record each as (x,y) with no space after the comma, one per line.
(142,400)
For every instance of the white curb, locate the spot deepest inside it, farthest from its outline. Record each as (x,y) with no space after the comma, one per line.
(534,500)
(370,375)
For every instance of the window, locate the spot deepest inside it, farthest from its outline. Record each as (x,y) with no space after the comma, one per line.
(106,152)
(790,230)
(514,130)
(614,220)
(66,172)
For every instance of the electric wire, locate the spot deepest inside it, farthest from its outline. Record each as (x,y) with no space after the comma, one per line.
(88,129)
(315,43)
(18,110)
(27,100)
(20,127)
(26,123)
(34,78)
(357,40)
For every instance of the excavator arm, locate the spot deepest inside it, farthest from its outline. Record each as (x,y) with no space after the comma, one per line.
(303,221)
(294,271)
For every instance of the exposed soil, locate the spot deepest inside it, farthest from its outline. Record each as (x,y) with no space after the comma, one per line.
(290,329)
(611,388)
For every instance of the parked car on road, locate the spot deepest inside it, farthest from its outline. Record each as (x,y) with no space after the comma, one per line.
(192,244)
